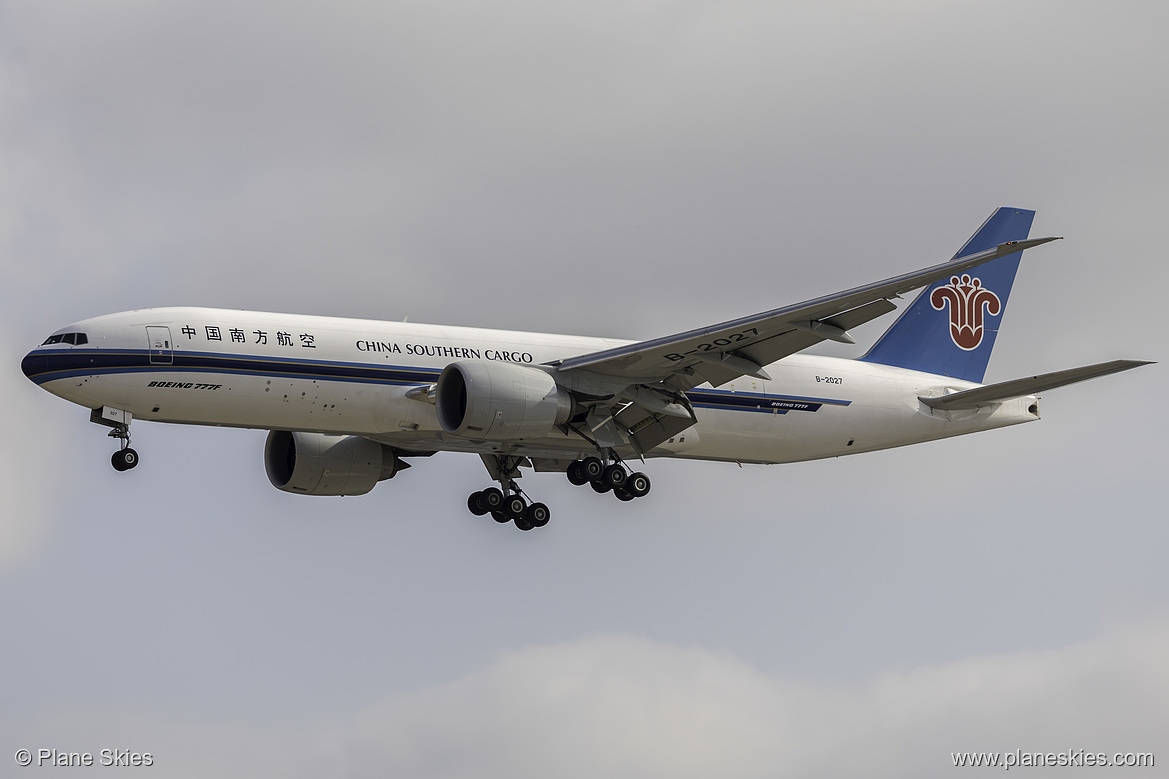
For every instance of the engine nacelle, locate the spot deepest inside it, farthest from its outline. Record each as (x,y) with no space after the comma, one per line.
(319,464)
(500,401)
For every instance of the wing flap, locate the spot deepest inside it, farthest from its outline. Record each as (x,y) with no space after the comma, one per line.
(1017,388)
(648,429)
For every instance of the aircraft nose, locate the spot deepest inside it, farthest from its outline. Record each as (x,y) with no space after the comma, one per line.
(33,364)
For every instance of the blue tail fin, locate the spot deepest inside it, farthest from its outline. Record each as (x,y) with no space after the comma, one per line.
(950,328)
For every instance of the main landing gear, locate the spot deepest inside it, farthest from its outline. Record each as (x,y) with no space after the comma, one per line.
(509,507)
(509,504)
(609,478)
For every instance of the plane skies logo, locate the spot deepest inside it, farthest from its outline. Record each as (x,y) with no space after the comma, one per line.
(968,300)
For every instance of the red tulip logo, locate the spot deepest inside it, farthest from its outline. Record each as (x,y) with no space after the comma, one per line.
(967,299)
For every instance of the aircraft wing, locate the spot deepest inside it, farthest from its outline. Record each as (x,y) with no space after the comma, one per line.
(741,347)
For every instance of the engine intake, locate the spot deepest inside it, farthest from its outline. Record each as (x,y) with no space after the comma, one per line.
(499,401)
(319,464)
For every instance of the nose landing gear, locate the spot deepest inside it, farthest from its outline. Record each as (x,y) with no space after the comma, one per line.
(125,458)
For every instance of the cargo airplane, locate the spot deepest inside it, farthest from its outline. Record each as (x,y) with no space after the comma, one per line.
(348,402)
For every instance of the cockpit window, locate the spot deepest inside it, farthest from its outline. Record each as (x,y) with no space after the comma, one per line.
(76,339)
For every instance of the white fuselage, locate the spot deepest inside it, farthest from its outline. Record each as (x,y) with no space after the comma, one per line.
(349,376)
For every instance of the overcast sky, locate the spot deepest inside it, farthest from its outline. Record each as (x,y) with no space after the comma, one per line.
(605,168)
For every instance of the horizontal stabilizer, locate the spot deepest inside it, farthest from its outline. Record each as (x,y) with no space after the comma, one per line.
(1006,390)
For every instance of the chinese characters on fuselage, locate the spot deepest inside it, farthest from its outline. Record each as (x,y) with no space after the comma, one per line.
(282,338)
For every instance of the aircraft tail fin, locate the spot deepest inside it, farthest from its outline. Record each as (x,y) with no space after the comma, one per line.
(950,328)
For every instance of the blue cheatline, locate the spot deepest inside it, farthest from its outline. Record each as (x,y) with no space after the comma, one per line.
(938,332)
(50,366)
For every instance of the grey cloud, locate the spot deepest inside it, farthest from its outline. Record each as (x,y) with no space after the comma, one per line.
(630,707)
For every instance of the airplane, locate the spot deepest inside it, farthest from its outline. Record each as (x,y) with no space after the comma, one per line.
(347,401)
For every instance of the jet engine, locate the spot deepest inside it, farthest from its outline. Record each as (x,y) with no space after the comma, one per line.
(318,464)
(499,401)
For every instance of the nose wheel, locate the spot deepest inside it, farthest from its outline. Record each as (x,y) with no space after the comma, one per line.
(124,459)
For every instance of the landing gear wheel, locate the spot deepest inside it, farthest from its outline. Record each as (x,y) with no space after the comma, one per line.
(124,459)
(475,504)
(537,515)
(514,506)
(523,524)
(500,517)
(614,476)
(637,485)
(576,473)
(592,467)
(492,498)
(600,487)
(623,494)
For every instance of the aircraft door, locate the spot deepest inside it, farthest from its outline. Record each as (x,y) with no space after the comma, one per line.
(159,345)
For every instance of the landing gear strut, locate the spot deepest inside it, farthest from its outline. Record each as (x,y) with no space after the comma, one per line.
(125,458)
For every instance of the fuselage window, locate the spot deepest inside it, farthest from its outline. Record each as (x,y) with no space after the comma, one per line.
(69,338)
(82,338)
